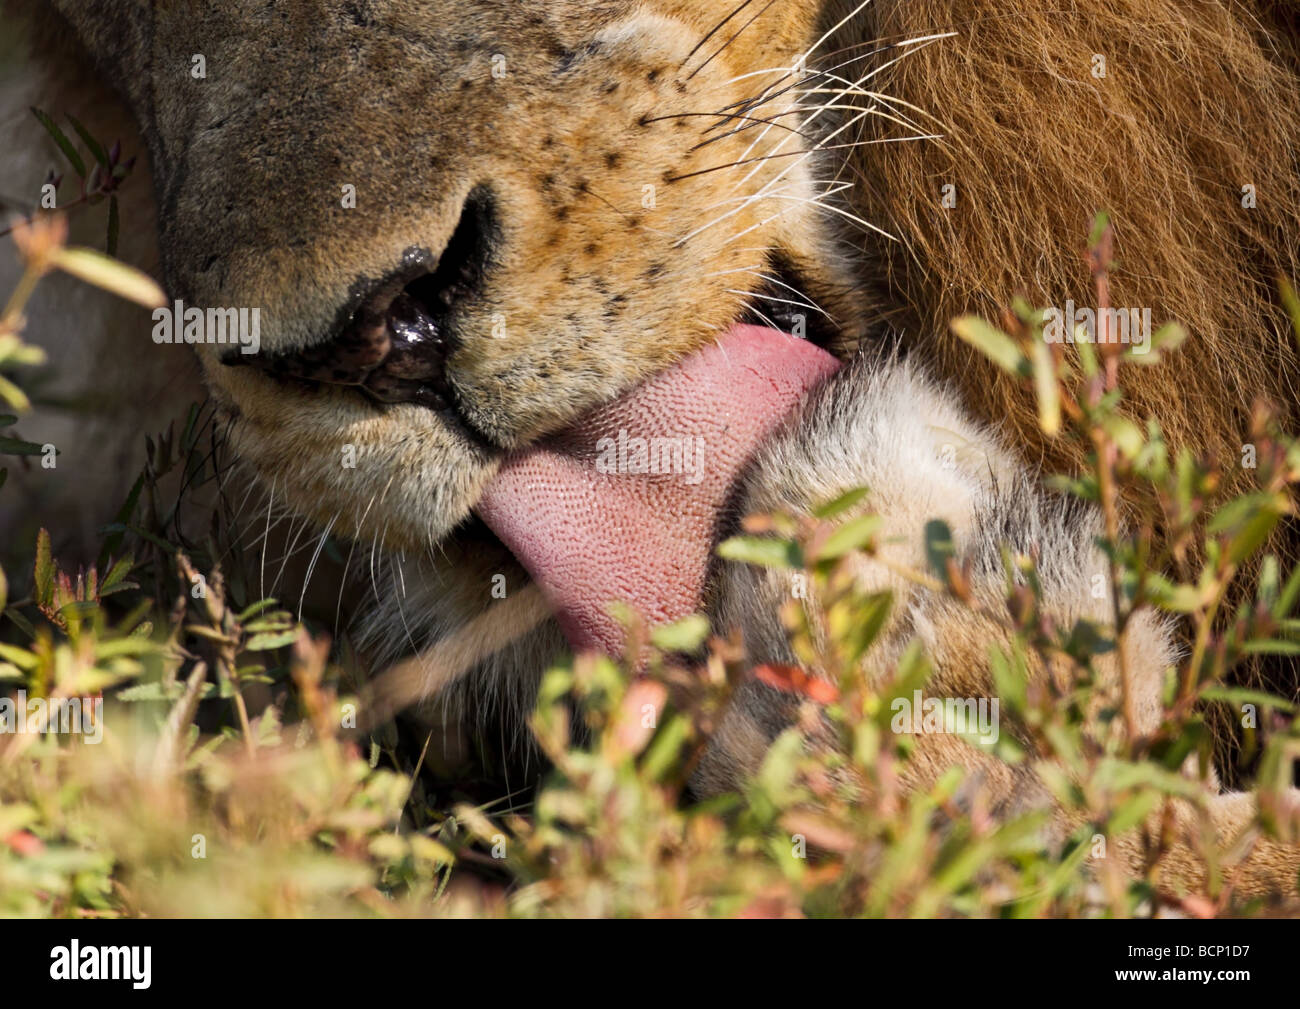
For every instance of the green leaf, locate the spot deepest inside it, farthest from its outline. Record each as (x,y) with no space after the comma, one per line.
(156,691)
(1087,355)
(157,541)
(939,546)
(91,143)
(16,446)
(1048,390)
(1122,774)
(1241,695)
(1132,812)
(129,646)
(21,622)
(254,610)
(116,574)
(685,635)
(276,622)
(993,343)
(265,642)
(1291,303)
(1126,435)
(78,609)
(1099,225)
(761,550)
(1271,646)
(852,535)
(60,138)
(1181,598)
(13,395)
(267,731)
(1009,685)
(114,542)
(1249,520)
(839,505)
(208,633)
(19,657)
(1086,640)
(1168,337)
(110,275)
(1286,601)
(17,816)
(869,620)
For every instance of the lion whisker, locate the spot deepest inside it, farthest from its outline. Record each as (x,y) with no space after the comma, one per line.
(770,297)
(713,31)
(311,565)
(733,38)
(262,572)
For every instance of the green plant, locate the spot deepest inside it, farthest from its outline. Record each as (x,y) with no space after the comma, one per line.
(198,803)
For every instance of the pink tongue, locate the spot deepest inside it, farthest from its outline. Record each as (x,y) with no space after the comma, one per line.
(623,506)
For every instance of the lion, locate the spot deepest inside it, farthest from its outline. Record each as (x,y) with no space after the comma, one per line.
(492,244)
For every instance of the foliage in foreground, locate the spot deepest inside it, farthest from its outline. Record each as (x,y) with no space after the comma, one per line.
(197,802)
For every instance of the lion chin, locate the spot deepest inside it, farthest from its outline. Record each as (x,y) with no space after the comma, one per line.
(548,298)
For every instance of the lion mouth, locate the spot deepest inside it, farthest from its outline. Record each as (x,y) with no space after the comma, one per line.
(782,303)
(626,506)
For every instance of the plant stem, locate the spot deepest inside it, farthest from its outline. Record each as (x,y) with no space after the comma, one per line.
(18,300)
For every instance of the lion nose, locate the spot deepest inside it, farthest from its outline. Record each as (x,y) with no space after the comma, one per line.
(394,344)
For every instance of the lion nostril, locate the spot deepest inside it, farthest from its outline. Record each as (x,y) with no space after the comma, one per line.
(394,345)
(463,264)
(421,318)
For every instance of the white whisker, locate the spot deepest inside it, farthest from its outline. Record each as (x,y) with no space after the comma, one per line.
(311,565)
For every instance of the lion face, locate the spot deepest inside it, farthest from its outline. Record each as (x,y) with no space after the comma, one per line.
(466,223)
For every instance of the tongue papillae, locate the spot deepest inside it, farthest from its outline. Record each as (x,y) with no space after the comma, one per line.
(623,507)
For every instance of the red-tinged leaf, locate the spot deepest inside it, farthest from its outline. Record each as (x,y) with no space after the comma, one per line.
(794,680)
(821,831)
(1200,907)
(770,907)
(44,573)
(643,704)
(25,843)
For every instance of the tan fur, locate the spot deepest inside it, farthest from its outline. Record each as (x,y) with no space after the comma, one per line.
(1198,101)
(595,290)
(598,290)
